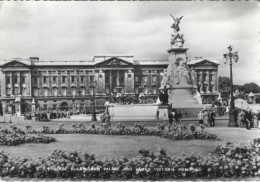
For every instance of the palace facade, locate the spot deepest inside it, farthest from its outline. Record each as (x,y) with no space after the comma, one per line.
(70,84)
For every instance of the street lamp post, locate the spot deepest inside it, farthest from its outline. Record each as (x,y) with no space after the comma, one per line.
(4,112)
(94,118)
(231,56)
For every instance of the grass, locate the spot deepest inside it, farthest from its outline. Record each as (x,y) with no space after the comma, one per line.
(116,146)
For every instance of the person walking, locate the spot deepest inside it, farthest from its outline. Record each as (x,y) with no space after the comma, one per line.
(241,118)
(179,116)
(200,118)
(206,118)
(249,117)
(176,116)
(157,114)
(107,119)
(212,116)
(258,119)
(170,116)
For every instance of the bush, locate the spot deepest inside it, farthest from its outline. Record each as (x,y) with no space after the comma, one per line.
(146,165)
(174,132)
(18,136)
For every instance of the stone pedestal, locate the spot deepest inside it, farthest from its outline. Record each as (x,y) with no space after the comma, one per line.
(163,111)
(178,79)
(33,106)
(17,108)
(131,112)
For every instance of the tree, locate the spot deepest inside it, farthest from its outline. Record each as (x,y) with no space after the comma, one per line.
(224,86)
(224,83)
(251,87)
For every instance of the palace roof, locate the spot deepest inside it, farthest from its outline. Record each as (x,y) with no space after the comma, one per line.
(197,60)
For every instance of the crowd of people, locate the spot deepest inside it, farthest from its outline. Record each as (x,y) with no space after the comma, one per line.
(105,119)
(207,118)
(48,115)
(245,118)
(173,116)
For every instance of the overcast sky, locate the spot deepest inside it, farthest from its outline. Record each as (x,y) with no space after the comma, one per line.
(81,30)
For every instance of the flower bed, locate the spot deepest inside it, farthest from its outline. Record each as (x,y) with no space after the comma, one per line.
(174,132)
(146,165)
(18,136)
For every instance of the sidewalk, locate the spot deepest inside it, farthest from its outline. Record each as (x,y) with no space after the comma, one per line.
(87,117)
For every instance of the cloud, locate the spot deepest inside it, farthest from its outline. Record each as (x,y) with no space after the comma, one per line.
(81,30)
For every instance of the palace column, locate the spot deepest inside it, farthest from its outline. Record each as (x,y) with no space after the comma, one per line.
(213,81)
(110,82)
(117,78)
(11,83)
(59,83)
(3,83)
(216,80)
(50,83)
(40,83)
(208,81)
(125,82)
(19,83)
(29,83)
(202,80)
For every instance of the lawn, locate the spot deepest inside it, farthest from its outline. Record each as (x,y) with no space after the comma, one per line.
(115,146)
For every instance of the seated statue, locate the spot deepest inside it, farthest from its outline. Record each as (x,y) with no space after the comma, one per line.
(180,76)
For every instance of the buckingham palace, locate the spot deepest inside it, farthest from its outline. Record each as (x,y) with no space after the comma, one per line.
(52,85)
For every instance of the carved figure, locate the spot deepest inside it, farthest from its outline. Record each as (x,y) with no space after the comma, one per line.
(163,96)
(180,76)
(164,77)
(176,23)
(177,39)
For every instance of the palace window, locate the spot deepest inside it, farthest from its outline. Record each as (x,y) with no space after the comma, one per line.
(63,79)
(64,92)
(23,91)
(45,79)
(55,92)
(54,106)
(45,106)
(91,90)
(154,91)
(154,78)
(35,80)
(100,76)
(72,79)
(8,79)
(36,92)
(82,79)
(145,79)
(107,90)
(15,79)
(23,79)
(54,79)
(145,90)
(45,92)
(8,91)
(73,92)
(136,78)
(92,78)
(136,91)
(82,91)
